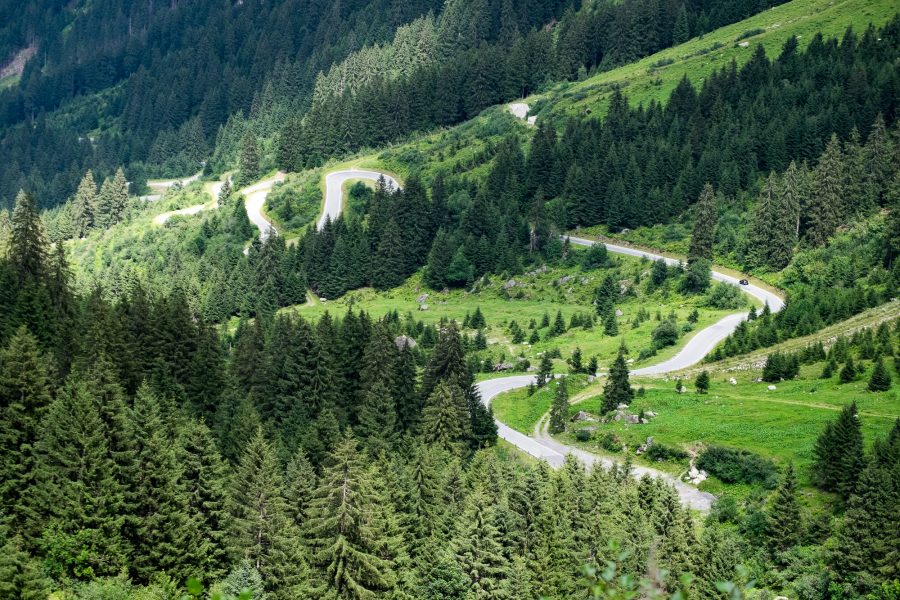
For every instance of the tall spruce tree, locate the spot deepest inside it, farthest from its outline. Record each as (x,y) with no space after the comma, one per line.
(248,162)
(559,409)
(785,523)
(617,389)
(378,418)
(880,380)
(445,418)
(24,398)
(261,528)
(705,221)
(163,534)
(76,504)
(84,205)
(479,549)
(342,534)
(827,194)
(203,478)
(839,453)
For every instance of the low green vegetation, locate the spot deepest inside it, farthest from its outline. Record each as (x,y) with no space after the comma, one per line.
(297,203)
(654,77)
(551,310)
(780,424)
(522,409)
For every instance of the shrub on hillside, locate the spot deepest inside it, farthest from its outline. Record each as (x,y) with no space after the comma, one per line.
(663,452)
(725,297)
(738,466)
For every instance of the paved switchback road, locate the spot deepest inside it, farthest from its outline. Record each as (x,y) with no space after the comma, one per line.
(543,446)
(334,190)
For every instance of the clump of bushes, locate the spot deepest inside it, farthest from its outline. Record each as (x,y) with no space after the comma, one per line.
(610,442)
(750,33)
(780,367)
(663,452)
(725,297)
(583,435)
(738,466)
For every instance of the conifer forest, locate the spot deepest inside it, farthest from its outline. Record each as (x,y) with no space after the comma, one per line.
(450,300)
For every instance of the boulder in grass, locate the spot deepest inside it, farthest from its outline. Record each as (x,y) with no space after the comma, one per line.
(404,341)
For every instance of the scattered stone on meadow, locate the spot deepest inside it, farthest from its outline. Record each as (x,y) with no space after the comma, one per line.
(423,307)
(619,313)
(622,406)
(772,388)
(649,414)
(565,279)
(503,366)
(508,285)
(583,416)
(633,419)
(421,299)
(732,381)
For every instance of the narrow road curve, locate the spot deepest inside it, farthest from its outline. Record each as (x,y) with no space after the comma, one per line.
(255,198)
(543,446)
(213,190)
(334,190)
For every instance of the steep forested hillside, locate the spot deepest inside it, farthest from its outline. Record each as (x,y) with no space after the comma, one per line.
(149,86)
(194,404)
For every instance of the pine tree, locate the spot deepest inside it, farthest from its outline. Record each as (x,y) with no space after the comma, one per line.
(617,389)
(445,419)
(785,524)
(27,245)
(84,205)
(479,549)
(545,370)
(388,269)
(576,361)
(438,263)
(702,382)
(610,325)
(378,418)
(865,548)
(705,220)
(76,504)
(248,162)
(300,483)
(881,379)
(559,410)
(343,534)
(848,371)
(261,528)
(827,194)
(24,397)
(163,533)
(112,200)
(225,193)
(839,453)
(681,30)
(203,479)
(20,575)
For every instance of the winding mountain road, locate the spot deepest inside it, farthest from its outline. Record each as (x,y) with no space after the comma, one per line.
(542,446)
(334,190)
(213,189)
